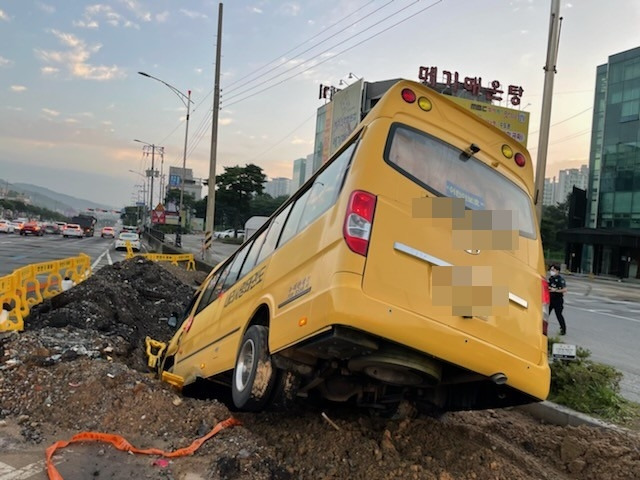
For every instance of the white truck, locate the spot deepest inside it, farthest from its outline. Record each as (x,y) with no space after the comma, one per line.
(253,224)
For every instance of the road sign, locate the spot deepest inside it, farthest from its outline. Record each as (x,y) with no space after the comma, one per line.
(158,217)
(563,351)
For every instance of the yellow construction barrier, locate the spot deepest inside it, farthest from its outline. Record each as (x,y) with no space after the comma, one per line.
(29,285)
(174,258)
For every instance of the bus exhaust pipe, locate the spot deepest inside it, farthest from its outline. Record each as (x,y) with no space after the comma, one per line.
(499,378)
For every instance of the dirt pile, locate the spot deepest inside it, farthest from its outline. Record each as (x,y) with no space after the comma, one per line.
(79,366)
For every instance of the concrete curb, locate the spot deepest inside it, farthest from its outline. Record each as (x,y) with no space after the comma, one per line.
(555,414)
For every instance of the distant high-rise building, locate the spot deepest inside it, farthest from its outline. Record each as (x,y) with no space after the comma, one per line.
(548,197)
(569,178)
(299,170)
(308,167)
(278,187)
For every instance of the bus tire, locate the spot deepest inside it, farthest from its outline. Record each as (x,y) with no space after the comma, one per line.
(254,374)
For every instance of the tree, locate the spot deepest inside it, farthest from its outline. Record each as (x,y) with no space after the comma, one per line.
(554,219)
(235,188)
(173,196)
(265,205)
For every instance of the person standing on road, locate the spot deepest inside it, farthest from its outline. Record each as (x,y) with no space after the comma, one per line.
(557,289)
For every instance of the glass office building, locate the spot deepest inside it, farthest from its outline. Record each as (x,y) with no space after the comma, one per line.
(609,243)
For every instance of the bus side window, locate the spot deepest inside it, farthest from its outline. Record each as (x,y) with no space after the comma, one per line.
(291,226)
(273,234)
(250,262)
(219,288)
(207,296)
(235,265)
(326,187)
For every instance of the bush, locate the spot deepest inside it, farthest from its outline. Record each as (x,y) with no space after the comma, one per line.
(589,387)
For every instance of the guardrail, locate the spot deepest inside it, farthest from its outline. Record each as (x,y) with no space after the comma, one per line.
(30,285)
(174,258)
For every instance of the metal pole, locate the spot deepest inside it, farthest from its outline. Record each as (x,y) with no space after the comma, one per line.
(211,199)
(549,73)
(153,154)
(178,241)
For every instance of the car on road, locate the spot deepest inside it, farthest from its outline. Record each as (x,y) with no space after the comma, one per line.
(17,225)
(108,232)
(230,233)
(131,237)
(6,227)
(61,225)
(72,230)
(51,228)
(32,228)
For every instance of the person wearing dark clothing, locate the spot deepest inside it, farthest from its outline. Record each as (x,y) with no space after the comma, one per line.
(557,289)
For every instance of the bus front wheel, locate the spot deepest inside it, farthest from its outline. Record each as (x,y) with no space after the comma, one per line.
(254,374)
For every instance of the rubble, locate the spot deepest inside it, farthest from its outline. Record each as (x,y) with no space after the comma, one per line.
(80,366)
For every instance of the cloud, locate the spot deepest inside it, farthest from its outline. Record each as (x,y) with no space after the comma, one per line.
(225,121)
(18,88)
(301,141)
(138,10)
(255,10)
(5,62)
(94,14)
(162,17)
(71,120)
(50,9)
(290,9)
(4,16)
(52,113)
(76,59)
(191,14)
(49,70)
(15,109)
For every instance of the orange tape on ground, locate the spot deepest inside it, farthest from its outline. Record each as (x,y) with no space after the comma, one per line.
(122,444)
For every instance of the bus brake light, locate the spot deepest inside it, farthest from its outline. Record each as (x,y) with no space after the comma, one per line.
(408,95)
(358,221)
(520,159)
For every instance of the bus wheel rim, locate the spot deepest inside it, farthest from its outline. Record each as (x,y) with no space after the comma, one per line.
(245,365)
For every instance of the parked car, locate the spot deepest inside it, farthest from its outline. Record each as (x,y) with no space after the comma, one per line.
(61,225)
(72,230)
(230,233)
(32,228)
(108,232)
(131,237)
(6,227)
(17,225)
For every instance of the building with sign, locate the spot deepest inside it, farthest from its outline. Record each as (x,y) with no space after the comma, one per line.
(192,186)
(609,243)
(338,118)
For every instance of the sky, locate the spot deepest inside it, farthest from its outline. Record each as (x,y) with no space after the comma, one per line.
(72,101)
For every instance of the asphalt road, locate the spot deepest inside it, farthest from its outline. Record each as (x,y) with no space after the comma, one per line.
(604,317)
(17,251)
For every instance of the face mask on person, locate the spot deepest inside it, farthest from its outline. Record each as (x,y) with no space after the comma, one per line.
(553,273)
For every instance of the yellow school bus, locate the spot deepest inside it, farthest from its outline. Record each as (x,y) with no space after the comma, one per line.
(408,268)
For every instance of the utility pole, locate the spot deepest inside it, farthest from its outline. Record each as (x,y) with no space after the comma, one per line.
(153,156)
(211,202)
(545,120)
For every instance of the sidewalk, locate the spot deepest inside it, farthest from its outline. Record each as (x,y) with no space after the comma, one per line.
(192,243)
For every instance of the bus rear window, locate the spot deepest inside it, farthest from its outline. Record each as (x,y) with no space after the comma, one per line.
(443,169)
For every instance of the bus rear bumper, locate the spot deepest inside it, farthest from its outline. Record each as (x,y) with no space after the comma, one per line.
(346,305)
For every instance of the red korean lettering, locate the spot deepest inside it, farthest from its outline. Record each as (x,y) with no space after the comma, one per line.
(428,75)
(515,92)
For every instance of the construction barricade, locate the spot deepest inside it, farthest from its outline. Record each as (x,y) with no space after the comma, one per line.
(30,285)
(174,258)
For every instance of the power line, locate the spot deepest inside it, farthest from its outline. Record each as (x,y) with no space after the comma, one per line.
(337,54)
(285,137)
(311,48)
(333,46)
(311,38)
(566,119)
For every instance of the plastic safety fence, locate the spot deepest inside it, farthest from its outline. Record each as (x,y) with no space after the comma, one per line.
(122,444)
(174,259)
(30,285)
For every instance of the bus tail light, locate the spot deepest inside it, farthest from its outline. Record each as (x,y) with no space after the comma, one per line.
(408,95)
(545,306)
(358,220)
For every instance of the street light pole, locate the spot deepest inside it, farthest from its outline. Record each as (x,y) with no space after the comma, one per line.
(153,167)
(186,100)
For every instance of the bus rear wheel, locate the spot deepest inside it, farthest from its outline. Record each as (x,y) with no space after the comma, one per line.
(254,374)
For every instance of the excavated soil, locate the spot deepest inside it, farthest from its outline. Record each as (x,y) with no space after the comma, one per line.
(80,366)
